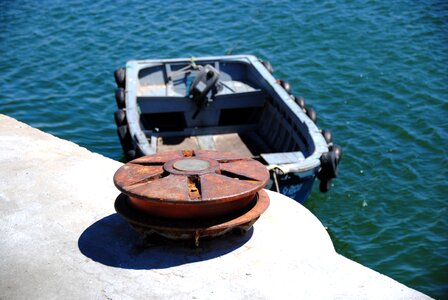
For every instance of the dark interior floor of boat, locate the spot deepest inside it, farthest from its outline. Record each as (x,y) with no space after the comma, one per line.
(242,113)
(247,144)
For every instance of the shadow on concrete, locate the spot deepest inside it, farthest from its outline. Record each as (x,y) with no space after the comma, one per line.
(112,242)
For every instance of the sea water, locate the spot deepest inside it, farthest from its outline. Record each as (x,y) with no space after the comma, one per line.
(375,71)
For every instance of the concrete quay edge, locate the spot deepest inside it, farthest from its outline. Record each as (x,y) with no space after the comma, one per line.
(60,237)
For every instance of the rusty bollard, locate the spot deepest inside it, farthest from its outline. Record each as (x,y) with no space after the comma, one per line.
(191,194)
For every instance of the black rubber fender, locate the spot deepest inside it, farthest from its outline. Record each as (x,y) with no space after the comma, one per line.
(337,151)
(311,113)
(329,166)
(131,154)
(286,86)
(325,185)
(300,101)
(123,133)
(268,66)
(120,117)
(328,136)
(329,162)
(120,77)
(125,138)
(120,98)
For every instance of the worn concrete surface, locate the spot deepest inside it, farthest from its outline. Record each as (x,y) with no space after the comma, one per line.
(60,238)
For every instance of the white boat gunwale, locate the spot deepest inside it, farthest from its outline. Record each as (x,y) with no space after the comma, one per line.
(151,87)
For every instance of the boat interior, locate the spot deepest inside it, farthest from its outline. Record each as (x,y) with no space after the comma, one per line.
(238,110)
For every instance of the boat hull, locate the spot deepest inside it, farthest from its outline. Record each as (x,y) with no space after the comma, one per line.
(225,103)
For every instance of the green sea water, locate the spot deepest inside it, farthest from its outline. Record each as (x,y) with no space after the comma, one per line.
(375,71)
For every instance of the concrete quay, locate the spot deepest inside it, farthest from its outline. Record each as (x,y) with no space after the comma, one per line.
(61,238)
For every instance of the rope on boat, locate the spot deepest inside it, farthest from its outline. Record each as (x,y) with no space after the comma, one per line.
(193,63)
(277,188)
(180,71)
(186,69)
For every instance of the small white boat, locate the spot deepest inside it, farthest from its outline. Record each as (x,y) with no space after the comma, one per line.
(223,103)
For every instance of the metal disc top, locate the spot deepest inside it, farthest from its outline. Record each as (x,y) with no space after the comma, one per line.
(215,181)
(191,165)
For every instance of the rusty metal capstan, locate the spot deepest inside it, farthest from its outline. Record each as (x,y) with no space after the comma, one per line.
(191,194)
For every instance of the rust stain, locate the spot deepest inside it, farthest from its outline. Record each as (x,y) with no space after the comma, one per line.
(155,186)
(191,194)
